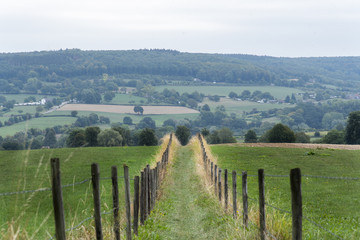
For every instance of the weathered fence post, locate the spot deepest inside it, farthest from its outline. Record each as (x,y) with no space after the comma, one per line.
(234,192)
(212,173)
(219,177)
(245,199)
(142,199)
(127,202)
(262,204)
(148,207)
(95,174)
(115,193)
(57,199)
(215,179)
(136,205)
(226,193)
(296,203)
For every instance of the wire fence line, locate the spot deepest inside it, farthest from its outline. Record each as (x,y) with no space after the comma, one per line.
(304,175)
(80,223)
(308,219)
(49,188)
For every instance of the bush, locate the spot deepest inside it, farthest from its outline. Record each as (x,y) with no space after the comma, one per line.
(183,134)
(281,134)
(301,137)
(250,137)
(147,137)
(109,138)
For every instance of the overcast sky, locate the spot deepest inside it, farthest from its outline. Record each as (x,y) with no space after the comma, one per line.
(262,27)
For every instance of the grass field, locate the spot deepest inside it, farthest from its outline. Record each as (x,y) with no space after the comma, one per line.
(333,203)
(233,106)
(19,98)
(32,213)
(126,99)
(278,92)
(41,123)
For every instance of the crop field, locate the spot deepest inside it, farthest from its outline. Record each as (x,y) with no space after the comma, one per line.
(328,199)
(154,110)
(32,213)
(277,92)
(234,106)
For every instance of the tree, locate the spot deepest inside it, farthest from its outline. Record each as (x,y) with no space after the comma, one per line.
(109,96)
(205,108)
(128,120)
(125,134)
(233,95)
(205,132)
(226,136)
(301,137)
(109,138)
(146,122)
(139,109)
(50,138)
(281,134)
(147,137)
(334,137)
(91,135)
(76,138)
(352,131)
(183,134)
(245,94)
(169,122)
(74,113)
(250,136)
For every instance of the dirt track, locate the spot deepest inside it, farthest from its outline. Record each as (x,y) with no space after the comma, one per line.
(300,145)
(127,109)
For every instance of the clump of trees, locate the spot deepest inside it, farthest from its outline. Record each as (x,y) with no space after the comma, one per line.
(183,134)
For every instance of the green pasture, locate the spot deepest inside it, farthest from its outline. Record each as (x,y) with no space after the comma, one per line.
(41,123)
(126,99)
(32,213)
(332,203)
(234,106)
(277,92)
(118,117)
(19,110)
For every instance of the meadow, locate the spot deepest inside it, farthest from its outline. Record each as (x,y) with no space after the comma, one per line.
(331,202)
(277,92)
(31,214)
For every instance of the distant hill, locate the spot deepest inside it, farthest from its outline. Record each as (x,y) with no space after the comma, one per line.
(50,71)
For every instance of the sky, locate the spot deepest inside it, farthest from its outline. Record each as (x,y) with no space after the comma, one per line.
(282,28)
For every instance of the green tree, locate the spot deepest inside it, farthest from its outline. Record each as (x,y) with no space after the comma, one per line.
(226,136)
(147,137)
(74,113)
(183,134)
(109,138)
(50,138)
(250,136)
(146,122)
(233,95)
(301,137)
(76,138)
(108,96)
(352,132)
(281,134)
(91,135)
(334,137)
(205,108)
(127,120)
(139,110)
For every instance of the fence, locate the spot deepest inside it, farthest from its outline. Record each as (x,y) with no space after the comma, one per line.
(214,172)
(145,194)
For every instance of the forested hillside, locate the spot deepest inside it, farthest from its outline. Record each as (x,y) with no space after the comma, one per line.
(51,72)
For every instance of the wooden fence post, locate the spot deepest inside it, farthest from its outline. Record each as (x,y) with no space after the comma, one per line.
(234,192)
(95,174)
(219,177)
(215,179)
(57,199)
(245,199)
(262,204)
(148,207)
(136,205)
(296,203)
(212,173)
(115,193)
(142,199)
(226,193)
(127,202)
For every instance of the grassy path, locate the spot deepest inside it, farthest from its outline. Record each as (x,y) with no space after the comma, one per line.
(186,210)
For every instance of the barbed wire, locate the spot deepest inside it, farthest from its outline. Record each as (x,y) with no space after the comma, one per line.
(304,175)
(319,226)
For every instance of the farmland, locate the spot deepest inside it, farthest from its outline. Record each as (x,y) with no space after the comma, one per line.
(331,203)
(32,213)
(277,92)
